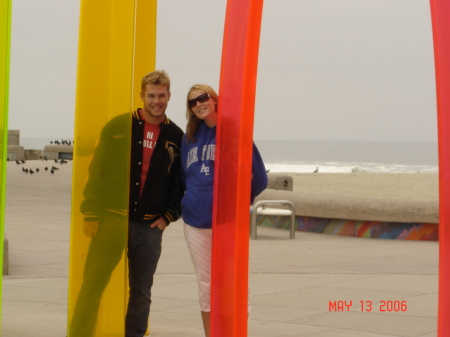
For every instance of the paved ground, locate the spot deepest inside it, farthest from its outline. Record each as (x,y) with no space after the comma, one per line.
(292,281)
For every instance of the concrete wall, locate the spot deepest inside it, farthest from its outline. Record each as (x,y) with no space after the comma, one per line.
(280,182)
(33,154)
(13,137)
(58,151)
(357,217)
(16,152)
(364,209)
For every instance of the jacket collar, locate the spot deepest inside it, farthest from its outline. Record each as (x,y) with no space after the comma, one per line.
(137,115)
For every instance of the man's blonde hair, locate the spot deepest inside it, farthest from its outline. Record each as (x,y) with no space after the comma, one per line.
(157,77)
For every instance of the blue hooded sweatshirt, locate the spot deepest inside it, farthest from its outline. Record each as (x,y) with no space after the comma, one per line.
(197,161)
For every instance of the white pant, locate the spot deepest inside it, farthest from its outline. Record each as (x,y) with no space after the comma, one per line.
(199,241)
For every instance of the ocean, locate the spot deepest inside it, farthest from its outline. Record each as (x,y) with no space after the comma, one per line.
(331,156)
(349,156)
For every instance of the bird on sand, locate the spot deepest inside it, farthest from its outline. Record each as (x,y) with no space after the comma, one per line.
(316,170)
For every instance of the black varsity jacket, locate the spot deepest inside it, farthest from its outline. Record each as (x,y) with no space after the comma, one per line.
(107,189)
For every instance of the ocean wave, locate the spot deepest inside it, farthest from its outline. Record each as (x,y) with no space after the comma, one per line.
(349,168)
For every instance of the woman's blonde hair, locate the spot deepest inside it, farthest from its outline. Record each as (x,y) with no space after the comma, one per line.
(194,121)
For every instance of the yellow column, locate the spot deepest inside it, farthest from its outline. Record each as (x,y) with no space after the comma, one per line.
(145,45)
(5,25)
(115,52)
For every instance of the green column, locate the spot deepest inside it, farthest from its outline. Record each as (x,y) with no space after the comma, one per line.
(5,27)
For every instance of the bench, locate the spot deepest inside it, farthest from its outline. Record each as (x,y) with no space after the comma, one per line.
(260,208)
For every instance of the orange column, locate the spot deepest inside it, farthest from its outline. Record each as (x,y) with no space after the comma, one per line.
(229,290)
(440,11)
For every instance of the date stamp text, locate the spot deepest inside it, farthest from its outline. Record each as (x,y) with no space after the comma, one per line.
(381,306)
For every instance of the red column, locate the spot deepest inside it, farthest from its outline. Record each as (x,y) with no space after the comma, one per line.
(233,168)
(440,12)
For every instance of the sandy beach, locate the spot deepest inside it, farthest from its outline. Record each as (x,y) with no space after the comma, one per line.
(408,186)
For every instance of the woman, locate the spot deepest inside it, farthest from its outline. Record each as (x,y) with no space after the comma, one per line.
(197,159)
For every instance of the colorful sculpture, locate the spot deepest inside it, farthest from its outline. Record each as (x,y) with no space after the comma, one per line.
(5,28)
(440,11)
(110,67)
(233,167)
(116,49)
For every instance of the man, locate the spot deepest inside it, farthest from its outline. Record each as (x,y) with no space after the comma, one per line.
(155,192)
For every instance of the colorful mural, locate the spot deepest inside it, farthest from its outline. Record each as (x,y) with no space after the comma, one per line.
(361,229)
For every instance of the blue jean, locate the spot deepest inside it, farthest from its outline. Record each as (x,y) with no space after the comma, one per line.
(144,250)
(105,252)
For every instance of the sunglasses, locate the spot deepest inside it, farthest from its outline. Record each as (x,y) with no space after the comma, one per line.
(201,99)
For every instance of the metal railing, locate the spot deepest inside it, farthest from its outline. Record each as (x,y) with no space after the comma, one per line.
(260,209)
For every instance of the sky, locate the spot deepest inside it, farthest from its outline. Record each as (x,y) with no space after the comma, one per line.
(353,70)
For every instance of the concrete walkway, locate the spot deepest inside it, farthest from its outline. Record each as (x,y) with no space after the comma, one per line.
(292,281)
